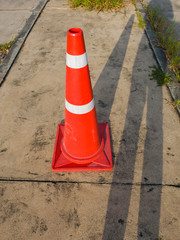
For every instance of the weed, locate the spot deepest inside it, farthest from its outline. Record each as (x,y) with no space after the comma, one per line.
(176,66)
(4,48)
(100,5)
(176,103)
(141,23)
(143,4)
(161,77)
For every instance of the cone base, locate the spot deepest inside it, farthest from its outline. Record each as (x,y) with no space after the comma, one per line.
(103,162)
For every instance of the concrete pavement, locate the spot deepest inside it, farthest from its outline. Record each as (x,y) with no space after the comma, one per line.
(139,199)
(16,21)
(13,17)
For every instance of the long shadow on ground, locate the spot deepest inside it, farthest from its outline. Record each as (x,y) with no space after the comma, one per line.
(108,80)
(144,94)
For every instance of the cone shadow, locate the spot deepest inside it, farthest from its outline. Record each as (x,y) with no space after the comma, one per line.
(141,90)
(150,196)
(108,80)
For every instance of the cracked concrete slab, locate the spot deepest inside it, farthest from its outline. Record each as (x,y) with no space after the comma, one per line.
(78,211)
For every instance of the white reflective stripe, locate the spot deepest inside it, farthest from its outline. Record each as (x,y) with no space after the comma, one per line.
(76,62)
(79,109)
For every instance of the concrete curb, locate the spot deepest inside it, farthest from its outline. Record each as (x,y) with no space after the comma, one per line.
(9,59)
(174,88)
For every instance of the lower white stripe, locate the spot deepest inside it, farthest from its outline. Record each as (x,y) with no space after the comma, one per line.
(79,109)
(76,61)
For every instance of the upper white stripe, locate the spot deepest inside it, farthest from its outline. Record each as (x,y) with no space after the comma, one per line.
(76,61)
(79,109)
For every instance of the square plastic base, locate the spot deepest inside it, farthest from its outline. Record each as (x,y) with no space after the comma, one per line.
(103,162)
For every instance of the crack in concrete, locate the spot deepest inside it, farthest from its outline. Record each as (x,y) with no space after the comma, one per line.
(85,182)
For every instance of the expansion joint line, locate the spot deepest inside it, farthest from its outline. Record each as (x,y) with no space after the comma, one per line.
(85,182)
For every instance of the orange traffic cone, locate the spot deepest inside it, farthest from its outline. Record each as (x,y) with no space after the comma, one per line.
(81,143)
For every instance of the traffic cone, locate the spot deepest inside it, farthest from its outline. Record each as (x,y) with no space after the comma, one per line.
(81,143)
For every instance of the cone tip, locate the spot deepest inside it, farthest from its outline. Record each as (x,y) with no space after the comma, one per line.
(75,31)
(75,41)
